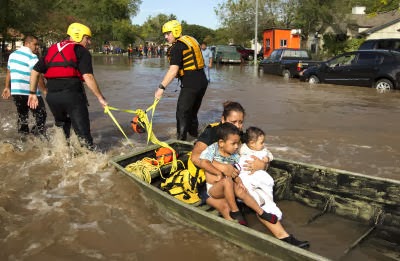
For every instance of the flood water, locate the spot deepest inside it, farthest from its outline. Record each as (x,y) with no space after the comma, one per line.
(62,203)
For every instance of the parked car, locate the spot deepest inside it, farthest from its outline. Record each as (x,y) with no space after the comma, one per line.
(226,54)
(388,44)
(246,53)
(373,68)
(288,62)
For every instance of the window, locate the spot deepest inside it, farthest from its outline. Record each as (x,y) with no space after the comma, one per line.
(368,58)
(283,43)
(295,53)
(342,60)
(268,43)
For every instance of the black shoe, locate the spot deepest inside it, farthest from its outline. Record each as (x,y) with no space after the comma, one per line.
(239,217)
(293,241)
(271,218)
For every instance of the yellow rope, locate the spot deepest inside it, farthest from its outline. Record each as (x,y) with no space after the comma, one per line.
(142,115)
(144,167)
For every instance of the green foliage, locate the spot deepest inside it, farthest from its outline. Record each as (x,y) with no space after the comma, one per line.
(110,19)
(201,33)
(332,45)
(48,19)
(151,28)
(353,44)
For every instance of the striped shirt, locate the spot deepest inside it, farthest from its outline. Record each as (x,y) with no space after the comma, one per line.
(20,64)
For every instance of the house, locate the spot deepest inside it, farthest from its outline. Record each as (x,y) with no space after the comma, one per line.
(274,38)
(358,24)
(381,25)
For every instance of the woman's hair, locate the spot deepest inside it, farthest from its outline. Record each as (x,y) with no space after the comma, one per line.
(226,129)
(230,106)
(252,134)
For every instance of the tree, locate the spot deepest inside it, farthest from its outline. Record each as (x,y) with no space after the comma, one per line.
(151,28)
(238,16)
(49,19)
(199,32)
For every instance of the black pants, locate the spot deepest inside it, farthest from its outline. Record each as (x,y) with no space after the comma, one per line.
(68,105)
(21,102)
(194,86)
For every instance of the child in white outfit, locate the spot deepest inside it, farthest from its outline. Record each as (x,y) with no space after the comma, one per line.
(259,184)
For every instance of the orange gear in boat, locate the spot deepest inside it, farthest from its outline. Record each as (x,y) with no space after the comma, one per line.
(137,125)
(164,155)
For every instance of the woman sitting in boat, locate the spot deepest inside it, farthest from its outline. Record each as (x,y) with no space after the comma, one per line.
(234,113)
(223,187)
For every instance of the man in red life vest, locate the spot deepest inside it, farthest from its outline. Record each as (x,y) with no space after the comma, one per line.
(66,66)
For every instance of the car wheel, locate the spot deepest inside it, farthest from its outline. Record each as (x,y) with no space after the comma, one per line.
(250,58)
(384,84)
(286,73)
(313,79)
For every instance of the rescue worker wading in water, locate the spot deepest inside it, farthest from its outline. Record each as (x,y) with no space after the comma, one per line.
(66,66)
(186,63)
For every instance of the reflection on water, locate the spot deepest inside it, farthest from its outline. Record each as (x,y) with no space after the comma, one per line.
(61,202)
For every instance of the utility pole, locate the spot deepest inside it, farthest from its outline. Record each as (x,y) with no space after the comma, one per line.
(255,36)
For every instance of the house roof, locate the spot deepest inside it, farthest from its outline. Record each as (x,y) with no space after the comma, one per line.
(374,22)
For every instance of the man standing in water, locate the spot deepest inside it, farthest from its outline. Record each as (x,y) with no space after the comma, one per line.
(66,66)
(20,64)
(208,58)
(186,63)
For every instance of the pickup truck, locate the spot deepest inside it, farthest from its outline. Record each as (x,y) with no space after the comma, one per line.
(288,62)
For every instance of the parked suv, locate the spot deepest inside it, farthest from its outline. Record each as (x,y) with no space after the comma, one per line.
(373,68)
(388,44)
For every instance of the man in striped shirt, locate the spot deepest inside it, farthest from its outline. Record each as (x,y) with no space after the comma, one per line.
(19,67)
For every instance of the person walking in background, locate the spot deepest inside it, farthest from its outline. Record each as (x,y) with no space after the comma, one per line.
(19,67)
(186,63)
(208,59)
(66,66)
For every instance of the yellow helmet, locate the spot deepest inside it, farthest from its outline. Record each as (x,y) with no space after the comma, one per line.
(76,31)
(172,26)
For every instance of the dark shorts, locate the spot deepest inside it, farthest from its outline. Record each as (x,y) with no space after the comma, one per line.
(202,190)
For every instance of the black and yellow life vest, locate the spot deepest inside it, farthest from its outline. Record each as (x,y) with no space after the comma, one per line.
(184,184)
(192,57)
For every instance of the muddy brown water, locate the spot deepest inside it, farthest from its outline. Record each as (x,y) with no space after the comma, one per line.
(59,203)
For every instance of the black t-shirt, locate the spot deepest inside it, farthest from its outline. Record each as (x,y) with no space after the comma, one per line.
(176,54)
(82,55)
(209,135)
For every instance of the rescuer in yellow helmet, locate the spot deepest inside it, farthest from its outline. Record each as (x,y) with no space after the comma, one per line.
(66,66)
(186,63)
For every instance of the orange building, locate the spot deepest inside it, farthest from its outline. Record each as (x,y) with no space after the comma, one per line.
(275,38)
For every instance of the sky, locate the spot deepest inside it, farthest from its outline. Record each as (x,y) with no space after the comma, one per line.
(199,12)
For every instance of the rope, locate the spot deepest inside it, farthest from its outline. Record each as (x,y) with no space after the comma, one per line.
(144,167)
(142,115)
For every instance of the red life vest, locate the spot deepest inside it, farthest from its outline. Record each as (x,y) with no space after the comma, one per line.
(61,61)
